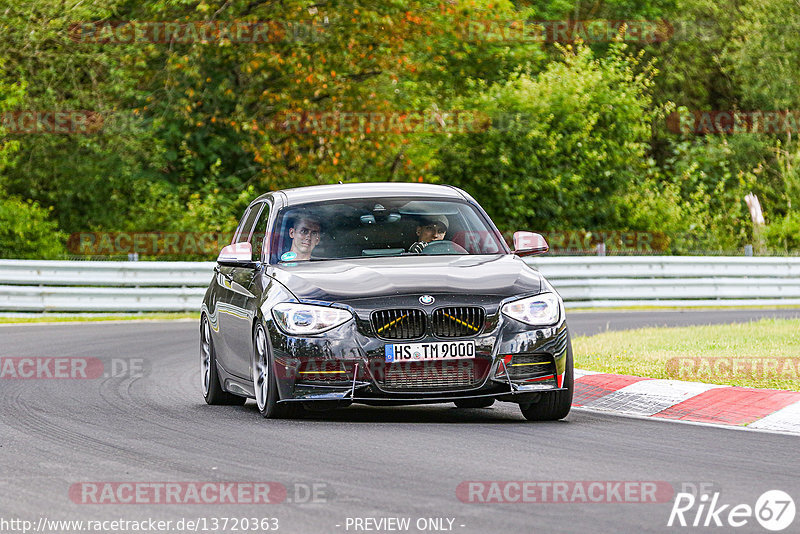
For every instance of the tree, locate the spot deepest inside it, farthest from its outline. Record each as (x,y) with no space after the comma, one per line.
(25,231)
(564,146)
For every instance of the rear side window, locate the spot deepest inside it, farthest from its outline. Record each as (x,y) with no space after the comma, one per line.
(260,233)
(245,229)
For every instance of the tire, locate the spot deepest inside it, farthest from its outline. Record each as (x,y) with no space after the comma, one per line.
(474,403)
(209,376)
(264,383)
(556,405)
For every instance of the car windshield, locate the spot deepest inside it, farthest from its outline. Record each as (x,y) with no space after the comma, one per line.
(382,227)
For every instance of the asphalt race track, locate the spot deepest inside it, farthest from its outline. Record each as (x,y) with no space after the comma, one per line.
(366,462)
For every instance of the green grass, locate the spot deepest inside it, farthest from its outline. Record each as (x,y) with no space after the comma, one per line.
(760,354)
(89,318)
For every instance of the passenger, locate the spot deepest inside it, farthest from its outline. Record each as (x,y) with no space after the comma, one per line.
(430,228)
(305,234)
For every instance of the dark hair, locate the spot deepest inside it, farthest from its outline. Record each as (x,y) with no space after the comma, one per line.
(300,215)
(425,220)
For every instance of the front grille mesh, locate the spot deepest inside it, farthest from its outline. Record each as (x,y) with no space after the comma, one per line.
(429,375)
(399,324)
(531,366)
(454,321)
(458,321)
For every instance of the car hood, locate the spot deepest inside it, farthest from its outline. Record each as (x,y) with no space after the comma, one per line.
(343,280)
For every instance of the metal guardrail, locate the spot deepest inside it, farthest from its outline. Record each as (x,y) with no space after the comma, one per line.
(586,281)
(102,286)
(686,281)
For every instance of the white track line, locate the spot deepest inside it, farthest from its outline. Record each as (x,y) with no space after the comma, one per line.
(683,422)
(784,420)
(648,397)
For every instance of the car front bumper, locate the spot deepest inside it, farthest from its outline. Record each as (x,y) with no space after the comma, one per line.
(349,367)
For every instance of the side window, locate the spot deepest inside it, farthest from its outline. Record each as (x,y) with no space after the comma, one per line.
(260,233)
(245,229)
(238,231)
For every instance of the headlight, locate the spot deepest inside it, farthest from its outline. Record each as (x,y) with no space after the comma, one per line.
(302,319)
(541,310)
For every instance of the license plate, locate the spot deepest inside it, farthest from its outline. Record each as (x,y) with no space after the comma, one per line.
(420,352)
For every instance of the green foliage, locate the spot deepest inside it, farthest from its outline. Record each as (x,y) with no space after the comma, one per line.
(693,61)
(194,123)
(27,232)
(783,234)
(764,54)
(89,179)
(710,188)
(25,228)
(10,96)
(192,131)
(566,144)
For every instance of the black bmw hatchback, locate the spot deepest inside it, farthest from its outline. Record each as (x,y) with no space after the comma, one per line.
(386,294)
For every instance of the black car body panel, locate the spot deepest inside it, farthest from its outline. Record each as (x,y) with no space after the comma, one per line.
(345,280)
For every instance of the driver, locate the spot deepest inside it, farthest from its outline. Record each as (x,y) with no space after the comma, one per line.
(305,235)
(430,228)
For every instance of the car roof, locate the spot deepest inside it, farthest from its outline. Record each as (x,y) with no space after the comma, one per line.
(316,193)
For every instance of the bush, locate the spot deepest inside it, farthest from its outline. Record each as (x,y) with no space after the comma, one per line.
(712,180)
(575,140)
(783,235)
(27,233)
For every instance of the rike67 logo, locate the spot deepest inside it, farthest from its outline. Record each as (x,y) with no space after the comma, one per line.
(774,510)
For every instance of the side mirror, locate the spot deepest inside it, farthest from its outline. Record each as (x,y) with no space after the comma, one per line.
(237,254)
(529,243)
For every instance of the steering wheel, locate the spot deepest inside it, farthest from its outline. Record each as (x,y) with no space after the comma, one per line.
(444,247)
